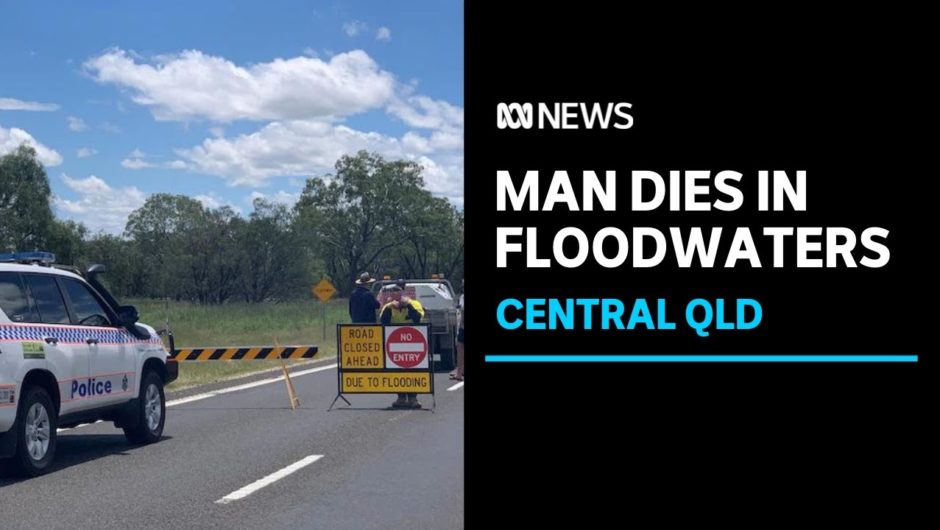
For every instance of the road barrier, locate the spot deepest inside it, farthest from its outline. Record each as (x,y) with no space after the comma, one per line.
(250,354)
(244,354)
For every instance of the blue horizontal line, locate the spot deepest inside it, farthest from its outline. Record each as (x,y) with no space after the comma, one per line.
(496,358)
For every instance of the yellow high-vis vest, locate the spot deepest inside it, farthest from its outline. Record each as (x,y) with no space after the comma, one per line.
(400,316)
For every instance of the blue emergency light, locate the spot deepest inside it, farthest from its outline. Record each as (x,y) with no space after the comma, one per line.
(43,258)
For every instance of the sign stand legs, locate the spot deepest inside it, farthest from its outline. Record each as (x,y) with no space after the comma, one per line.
(338,396)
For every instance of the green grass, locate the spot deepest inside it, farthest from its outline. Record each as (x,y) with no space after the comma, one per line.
(239,324)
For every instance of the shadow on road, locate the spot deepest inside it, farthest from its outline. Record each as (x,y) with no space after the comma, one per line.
(303,409)
(387,409)
(77,449)
(285,408)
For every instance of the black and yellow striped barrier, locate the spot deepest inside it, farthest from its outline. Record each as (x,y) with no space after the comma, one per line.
(244,354)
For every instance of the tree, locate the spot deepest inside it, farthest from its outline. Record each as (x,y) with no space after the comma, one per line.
(165,233)
(24,201)
(270,253)
(67,240)
(371,215)
(433,238)
(355,216)
(124,276)
(222,255)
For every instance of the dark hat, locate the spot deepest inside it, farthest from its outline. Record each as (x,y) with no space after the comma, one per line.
(393,288)
(400,282)
(365,278)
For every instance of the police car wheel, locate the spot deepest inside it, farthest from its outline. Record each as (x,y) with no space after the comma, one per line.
(151,411)
(36,432)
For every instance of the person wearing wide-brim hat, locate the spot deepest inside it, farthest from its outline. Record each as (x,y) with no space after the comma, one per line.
(362,305)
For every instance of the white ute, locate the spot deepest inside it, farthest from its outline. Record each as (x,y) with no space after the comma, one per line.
(70,354)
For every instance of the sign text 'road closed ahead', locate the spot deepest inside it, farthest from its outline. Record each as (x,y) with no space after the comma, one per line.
(361,347)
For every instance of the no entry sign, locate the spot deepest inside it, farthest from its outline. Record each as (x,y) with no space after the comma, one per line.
(406,347)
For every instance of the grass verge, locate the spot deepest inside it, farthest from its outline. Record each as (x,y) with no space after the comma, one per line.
(240,325)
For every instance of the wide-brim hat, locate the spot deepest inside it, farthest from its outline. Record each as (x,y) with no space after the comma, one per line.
(365,278)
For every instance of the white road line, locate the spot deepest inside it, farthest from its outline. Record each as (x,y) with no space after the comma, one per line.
(221,391)
(458,386)
(246,386)
(268,480)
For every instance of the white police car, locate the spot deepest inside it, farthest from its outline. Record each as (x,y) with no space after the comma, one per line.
(70,354)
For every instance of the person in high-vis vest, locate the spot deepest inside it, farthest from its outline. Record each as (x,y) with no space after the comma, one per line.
(402,309)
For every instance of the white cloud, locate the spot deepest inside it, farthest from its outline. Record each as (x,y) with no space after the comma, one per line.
(303,101)
(281,197)
(135,163)
(308,148)
(354,28)
(437,141)
(442,120)
(136,160)
(76,124)
(192,85)
(425,113)
(100,206)
(383,34)
(416,142)
(85,152)
(18,104)
(292,148)
(444,176)
(12,138)
(110,127)
(212,201)
(310,52)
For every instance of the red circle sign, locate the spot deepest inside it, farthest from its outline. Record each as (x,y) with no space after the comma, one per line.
(406,347)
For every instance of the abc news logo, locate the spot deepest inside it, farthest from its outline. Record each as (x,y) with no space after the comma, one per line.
(563,116)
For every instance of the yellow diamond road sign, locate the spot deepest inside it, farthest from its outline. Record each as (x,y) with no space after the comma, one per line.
(324,290)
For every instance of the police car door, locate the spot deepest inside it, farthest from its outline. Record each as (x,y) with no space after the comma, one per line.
(111,378)
(66,358)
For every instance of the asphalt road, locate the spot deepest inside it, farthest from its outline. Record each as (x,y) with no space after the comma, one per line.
(380,468)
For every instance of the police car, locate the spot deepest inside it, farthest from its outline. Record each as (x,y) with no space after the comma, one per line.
(70,354)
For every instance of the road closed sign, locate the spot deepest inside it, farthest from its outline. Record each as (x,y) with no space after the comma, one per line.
(406,347)
(361,347)
(380,359)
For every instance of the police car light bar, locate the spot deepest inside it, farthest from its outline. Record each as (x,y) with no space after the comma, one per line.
(43,258)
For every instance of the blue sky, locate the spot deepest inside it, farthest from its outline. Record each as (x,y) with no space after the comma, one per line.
(226,100)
